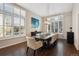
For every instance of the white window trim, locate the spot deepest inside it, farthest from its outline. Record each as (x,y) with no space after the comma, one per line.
(12,34)
(11,37)
(54,24)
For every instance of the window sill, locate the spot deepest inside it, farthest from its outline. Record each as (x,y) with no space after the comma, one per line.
(57,32)
(12,37)
(60,33)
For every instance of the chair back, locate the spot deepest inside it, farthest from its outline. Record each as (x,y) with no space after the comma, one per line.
(30,41)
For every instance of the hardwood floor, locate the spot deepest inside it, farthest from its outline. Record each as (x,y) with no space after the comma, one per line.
(61,48)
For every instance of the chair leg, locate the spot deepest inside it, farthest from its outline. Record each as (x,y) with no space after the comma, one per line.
(27,50)
(34,52)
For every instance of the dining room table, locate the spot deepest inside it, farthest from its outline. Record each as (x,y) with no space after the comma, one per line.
(45,38)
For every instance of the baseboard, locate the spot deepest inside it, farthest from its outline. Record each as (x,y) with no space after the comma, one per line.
(11,45)
(7,43)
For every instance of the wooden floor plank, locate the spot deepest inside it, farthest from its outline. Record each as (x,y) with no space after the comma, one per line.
(62,48)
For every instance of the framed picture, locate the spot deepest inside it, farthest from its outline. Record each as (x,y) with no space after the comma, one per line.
(35,22)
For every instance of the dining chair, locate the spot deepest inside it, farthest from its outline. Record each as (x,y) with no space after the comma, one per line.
(54,38)
(33,44)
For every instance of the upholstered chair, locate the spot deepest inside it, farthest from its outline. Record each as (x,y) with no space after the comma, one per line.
(33,44)
(54,38)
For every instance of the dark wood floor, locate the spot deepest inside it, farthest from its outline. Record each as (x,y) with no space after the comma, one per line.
(62,48)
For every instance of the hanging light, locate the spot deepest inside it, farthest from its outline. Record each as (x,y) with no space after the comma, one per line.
(47,22)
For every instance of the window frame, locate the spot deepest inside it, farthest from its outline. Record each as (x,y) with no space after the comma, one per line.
(52,20)
(2,26)
(12,23)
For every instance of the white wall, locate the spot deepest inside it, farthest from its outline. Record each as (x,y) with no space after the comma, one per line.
(29,28)
(44,26)
(40,23)
(67,23)
(75,24)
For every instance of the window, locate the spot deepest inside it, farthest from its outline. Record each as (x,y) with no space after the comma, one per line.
(56,23)
(8,8)
(16,30)
(52,27)
(22,27)
(12,20)
(1,19)
(17,11)
(16,27)
(8,30)
(16,21)
(1,25)
(8,11)
(7,20)
(48,27)
(56,26)
(23,13)
(1,6)
(19,19)
(60,26)
(7,25)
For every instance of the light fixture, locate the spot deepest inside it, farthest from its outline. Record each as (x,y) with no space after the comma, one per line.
(47,22)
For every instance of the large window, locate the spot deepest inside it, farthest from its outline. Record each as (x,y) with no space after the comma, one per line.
(16,21)
(56,23)
(12,20)
(1,25)
(60,26)
(7,25)
(1,7)
(23,15)
(8,8)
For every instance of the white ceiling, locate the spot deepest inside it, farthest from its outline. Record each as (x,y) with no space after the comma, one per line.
(47,9)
